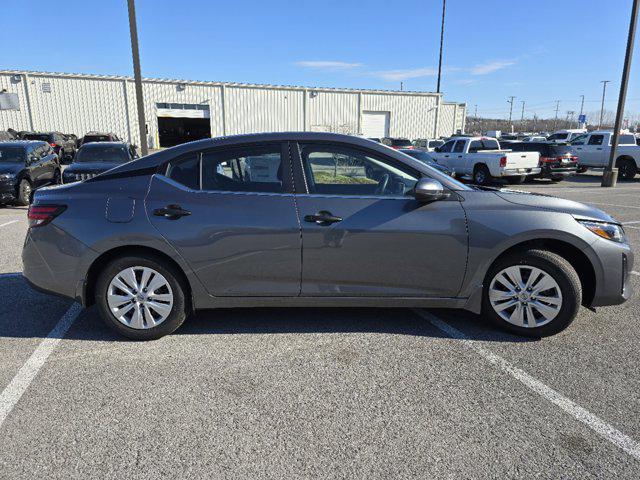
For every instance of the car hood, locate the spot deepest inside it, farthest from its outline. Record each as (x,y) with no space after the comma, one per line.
(90,167)
(10,167)
(555,204)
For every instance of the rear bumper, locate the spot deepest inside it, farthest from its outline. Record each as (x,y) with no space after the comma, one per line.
(65,257)
(551,171)
(514,172)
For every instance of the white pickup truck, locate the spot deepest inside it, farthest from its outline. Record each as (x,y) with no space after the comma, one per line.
(594,148)
(482,158)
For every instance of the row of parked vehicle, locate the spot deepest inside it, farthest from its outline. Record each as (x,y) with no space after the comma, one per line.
(520,157)
(30,160)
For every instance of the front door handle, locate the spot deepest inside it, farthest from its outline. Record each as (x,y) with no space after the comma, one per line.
(172,212)
(322,218)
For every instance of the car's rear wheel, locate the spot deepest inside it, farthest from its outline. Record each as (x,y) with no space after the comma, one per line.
(533,293)
(626,168)
(482,175)
(24,192)
(582,169)
(141,297)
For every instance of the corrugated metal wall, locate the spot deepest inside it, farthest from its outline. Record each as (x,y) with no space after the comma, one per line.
(80,103)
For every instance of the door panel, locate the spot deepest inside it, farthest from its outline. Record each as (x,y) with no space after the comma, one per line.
(383,246)
(238,244)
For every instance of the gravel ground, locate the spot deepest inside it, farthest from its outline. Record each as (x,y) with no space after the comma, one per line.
(308,393)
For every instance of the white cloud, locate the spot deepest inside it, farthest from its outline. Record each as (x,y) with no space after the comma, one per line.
(466,81)
(398,75)
(490,67)
(328,65)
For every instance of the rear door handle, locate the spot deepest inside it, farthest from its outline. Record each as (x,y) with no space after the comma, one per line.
(322,218)
(172,212)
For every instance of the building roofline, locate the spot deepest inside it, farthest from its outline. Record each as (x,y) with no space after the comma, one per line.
(226,84)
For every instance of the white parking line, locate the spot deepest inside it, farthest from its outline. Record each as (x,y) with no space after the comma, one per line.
(631,223)
(613,205)
(635,273)
(19,384)
(8,223)
(599,426)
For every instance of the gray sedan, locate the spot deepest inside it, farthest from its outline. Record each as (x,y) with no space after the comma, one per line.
(316,219)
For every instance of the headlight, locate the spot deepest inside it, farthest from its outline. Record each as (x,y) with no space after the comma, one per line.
(7,176)
(610,231)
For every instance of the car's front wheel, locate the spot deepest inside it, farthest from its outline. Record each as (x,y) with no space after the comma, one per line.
(141,297)
(533,293)
(24,192)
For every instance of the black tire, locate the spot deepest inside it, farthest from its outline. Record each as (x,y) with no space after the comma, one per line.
(555,266)
(178,312)
(24,192)
(481,175)
(626,168)
(57,177)
(557,179)
(582,169)
(516,180)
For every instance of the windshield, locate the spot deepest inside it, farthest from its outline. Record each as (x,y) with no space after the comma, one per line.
(401,142)
(102,154)
(419,154)
(435,143)
(37,136)
(558,136)
(12,154)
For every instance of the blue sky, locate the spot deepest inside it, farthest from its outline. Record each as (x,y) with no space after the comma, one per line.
(546,51)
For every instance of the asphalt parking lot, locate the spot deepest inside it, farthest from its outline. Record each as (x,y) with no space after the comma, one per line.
(307,393)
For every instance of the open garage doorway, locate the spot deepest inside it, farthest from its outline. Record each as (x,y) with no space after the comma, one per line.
(174,131)
(182,122)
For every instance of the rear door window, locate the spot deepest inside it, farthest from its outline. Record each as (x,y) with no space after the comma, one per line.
(596,139)
(185,171)
(459,146)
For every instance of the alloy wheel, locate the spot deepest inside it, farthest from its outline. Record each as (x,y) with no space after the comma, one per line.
(525,296)
(140,297)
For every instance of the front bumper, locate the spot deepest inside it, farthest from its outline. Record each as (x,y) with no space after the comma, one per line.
(614,262)
(7,190)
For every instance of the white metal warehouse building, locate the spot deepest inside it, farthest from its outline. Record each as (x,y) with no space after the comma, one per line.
(178,111)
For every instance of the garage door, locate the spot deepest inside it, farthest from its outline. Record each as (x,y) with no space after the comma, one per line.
(375,124)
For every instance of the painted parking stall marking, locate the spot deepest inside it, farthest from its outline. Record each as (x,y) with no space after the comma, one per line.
(602,428)
(19,384)
(8,223)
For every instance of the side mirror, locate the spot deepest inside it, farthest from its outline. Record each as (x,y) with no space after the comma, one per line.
(429,190)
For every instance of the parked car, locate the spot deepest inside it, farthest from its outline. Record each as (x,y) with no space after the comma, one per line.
(99,137)
(375,139)
(97,157)
(566,135)
(397,143)
(61,144)
(485,161)
(593,150)
(534,138)
(427,144)
(186,229)
(25,166)
(425,158)
(5,136)
(556,160)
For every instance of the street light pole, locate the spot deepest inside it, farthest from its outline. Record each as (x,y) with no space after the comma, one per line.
(444,8)
(522,115)
(604,90)
(133,29)
(555,121)
(510,102)
(610,176)
(582,110)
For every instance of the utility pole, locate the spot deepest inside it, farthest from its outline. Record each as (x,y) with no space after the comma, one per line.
(401,86)
(604,90)
(555,121)
(475,111)
(610,175)
(510,102)
(522,115)
(137,76)
(582,109)
(444,8)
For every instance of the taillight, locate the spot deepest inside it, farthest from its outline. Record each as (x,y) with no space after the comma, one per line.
(53,144)
(547,159)
(503,161)
(40,215)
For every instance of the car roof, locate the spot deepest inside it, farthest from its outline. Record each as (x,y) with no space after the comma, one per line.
(21,143)
(104,144)
(151,162)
